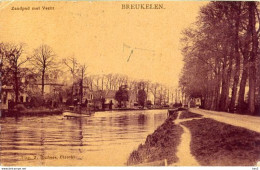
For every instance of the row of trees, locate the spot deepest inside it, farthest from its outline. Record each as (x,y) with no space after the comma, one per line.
(122,95)
(115,81)
(221,56)
(17,64)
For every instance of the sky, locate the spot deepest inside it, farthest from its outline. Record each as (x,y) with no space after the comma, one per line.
(102,35)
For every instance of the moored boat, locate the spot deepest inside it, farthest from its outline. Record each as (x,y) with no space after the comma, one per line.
(77,112)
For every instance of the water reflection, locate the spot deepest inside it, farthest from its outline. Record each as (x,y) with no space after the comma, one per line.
(105,138)
(141,119)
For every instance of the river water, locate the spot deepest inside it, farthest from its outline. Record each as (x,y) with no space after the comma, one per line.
(102,139)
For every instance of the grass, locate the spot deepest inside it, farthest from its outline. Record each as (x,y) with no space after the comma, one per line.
(218,144)
(186,115)
(160,145)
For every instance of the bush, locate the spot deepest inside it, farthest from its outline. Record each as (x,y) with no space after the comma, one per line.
(37,101)
(20,107)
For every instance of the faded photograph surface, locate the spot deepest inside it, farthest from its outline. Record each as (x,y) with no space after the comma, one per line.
(129,83)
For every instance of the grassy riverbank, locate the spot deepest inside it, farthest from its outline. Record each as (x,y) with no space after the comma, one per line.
(218,144)
(187,115)
(31,112)
(160,145)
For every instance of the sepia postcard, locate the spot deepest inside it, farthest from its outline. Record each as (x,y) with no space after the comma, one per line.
(129,83)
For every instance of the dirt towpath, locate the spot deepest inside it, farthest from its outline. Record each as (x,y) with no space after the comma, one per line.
(245,121)
(183,150)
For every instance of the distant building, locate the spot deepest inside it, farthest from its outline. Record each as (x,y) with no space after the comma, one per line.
(132,100)
(195,102)
(109,96)
(97,99)
(7,95)
(87,94)
(104,99)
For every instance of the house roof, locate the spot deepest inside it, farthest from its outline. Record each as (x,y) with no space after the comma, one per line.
(50,83)
(105,94)
(110,93)
(97,94)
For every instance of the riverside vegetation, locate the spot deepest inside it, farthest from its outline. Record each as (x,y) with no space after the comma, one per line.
(218,144)
(160,145)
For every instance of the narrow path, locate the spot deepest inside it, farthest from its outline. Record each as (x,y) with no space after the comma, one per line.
(183,150)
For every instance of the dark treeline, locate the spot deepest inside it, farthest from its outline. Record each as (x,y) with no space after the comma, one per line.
(221,56)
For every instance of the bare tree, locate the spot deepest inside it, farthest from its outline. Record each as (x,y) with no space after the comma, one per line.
(103,77)
(14,61)
(72,64)
(121,80)
(154,88)
(114,81)
(43,59)
(147,84)
(3,61)
(96,82)
(82,69)
(132,84)
(2,56)
(90,81)
(109,81)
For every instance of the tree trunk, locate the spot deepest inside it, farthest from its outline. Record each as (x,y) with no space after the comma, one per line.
(81,91)
(241,102)
(213,98)
(237,70)
(43,74)
(234,88)
(242,106)
(154,100)
(218,90)
(209,101)
(225,88)
(102,88)
(252,60)
(226,73)
(97,84)
(147,92)
(16,86)
(252,85)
